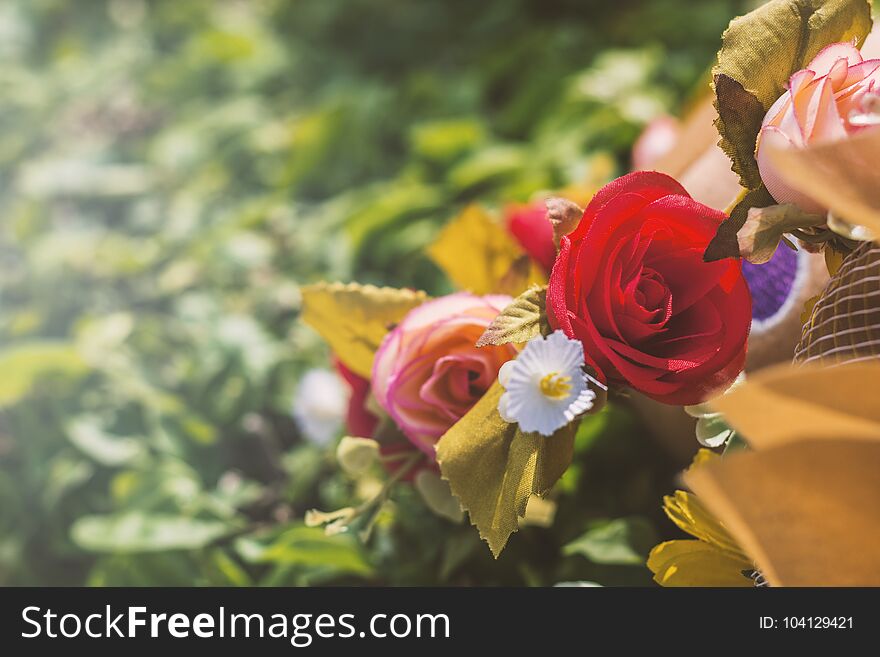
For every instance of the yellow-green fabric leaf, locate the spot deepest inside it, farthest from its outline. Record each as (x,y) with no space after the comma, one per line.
(739,121)
(523,319)
(761,50)
(493,467)
(354,318)
(475,251)
(554,456)
(764,227)
(725,243)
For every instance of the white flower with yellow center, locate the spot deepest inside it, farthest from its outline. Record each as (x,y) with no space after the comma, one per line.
(545,385)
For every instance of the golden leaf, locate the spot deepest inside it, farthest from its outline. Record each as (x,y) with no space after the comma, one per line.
(523,319)
(784,404)
(354,318)
(806,512)
(476,253)
(493,467)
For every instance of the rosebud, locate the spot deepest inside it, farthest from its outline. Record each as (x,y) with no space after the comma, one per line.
(356,455)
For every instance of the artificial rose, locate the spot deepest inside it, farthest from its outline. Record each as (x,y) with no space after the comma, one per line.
(824,102)
(630,283)
(532,230)
(428,371)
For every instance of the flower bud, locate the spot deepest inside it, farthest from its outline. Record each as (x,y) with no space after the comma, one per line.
(356,455)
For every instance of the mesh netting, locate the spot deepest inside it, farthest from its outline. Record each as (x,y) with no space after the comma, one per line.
(844,325)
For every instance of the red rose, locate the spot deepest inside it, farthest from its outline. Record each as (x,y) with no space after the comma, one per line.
(532,230)
(631,284)
(358,420)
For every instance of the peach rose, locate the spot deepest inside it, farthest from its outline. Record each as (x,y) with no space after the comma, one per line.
(824,102)
(428,372)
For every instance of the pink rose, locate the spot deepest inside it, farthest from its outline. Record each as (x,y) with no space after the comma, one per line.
(428,372)
(823,103)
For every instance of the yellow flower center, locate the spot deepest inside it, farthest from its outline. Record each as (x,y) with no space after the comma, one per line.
(555,385)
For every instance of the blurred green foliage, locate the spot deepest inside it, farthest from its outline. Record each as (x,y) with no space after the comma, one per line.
(171,171)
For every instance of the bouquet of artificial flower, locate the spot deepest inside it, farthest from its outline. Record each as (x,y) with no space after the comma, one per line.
(475,397)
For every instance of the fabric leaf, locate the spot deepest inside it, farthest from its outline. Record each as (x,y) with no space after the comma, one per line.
(522,320)
(764,228)
(725,243)
(475,251)
(354,318)
(493,467)
(739,121)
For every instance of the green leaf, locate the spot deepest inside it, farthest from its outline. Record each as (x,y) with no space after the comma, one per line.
(759,53)
(624,541)
(445,140)
(522,320)
(23,364)
(87,434)
(134,531)
(311,547)
(488,164)
(493,467)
